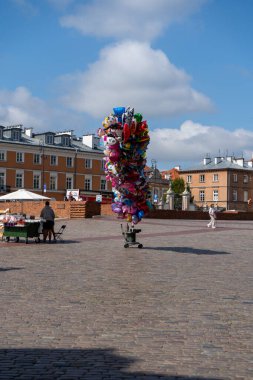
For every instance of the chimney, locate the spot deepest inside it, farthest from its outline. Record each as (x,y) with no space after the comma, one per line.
(29,132)
(250,164)
(207,160)
(217,160)
(240,161)
(91,141)
(178,168)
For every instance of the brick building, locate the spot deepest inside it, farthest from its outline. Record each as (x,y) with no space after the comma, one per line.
(225,181)
(51,162)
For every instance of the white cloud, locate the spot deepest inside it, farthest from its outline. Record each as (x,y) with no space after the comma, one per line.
(132,73)
(142,19)
(20,107)
(193,140)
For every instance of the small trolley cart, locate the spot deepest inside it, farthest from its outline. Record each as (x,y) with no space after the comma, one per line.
(26,230)
(130,236)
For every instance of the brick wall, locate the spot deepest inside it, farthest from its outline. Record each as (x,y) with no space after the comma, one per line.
(173,214)
(61,208)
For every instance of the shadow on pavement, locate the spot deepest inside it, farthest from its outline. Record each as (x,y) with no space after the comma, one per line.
(190,250)
(9,268)
(89,364)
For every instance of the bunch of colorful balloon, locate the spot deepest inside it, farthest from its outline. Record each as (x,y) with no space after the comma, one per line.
(126,138)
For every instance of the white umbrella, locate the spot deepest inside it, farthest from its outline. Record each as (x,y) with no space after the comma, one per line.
(22,195)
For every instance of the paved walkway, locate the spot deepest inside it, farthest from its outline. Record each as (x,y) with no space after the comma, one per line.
(87,308)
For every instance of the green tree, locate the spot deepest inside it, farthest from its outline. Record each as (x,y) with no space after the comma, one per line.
(178,185)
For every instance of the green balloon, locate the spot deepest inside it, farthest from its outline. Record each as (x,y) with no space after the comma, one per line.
(138,117)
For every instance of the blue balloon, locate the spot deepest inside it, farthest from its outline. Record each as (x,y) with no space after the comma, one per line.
(118,111)
(140,214)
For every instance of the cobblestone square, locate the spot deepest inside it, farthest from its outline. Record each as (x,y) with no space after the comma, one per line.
(88,308)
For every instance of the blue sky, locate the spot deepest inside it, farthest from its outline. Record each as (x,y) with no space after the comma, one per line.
(187,66)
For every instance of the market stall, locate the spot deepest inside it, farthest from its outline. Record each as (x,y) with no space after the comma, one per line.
(22,229)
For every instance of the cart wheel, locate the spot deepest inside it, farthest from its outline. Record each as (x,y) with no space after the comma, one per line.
(7,239)
(126,245)
(37,240)
(17,239)
(140,246)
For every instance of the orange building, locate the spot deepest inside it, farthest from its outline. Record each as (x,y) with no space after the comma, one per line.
(226,182)
(51,162)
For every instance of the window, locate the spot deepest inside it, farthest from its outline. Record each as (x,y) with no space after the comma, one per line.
(69,182)
(103,164)
(49,139)
(103,184)
(2,180)
(20,157)
(189,179)
(53,182)
(202,178)
(36,181)
(36,158)
(2,155)
(53,160)
(234,195)
(16,135)
(235,179)
(87,184)
(245,196)
(19,180)
(65,140)
(245,178)
(215,177)
(69,162)
(88,163)
(215,195)
(202,195)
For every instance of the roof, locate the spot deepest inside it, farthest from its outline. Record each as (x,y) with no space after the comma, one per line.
(222,165)
(174,173)
(76,144)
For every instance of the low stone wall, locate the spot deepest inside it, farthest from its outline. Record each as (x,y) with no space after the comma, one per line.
(62,210)
(174,214)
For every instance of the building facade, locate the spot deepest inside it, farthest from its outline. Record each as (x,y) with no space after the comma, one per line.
(226,182)
(51,162)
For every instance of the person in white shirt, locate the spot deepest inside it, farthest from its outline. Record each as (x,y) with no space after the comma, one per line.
(212,215)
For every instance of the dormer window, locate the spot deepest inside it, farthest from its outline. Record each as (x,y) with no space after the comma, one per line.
(15,135)
(50,139)
(65,140)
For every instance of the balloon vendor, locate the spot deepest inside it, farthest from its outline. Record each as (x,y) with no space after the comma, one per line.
(126,138)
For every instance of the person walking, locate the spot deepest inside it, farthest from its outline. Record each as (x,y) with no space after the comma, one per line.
(212,215)
(47,213)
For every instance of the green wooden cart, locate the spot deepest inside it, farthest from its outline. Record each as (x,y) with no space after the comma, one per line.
(28,230)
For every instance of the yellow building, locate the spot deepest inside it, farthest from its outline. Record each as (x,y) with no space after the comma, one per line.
(227,182)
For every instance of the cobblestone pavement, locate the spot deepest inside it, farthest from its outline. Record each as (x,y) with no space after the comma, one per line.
(87,308)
